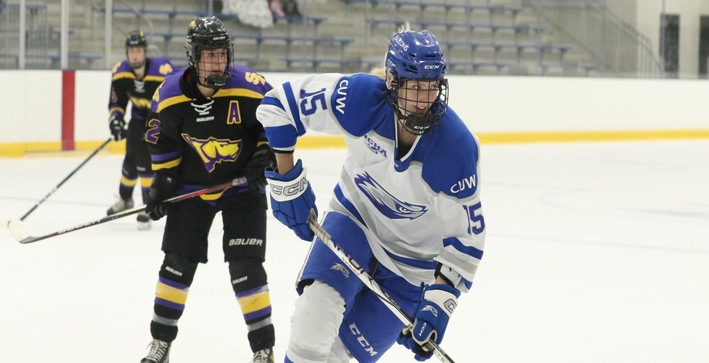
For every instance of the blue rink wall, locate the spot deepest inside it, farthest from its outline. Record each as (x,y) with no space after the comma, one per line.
(55,110)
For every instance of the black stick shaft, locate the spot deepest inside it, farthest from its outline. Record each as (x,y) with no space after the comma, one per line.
(128,212)
(65,179)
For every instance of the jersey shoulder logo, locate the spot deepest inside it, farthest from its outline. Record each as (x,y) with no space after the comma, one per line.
(165,69)
(385,202)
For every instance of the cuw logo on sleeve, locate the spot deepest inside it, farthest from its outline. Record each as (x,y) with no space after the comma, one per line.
(385,202)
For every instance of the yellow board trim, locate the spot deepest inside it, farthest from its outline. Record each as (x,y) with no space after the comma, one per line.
(22,149)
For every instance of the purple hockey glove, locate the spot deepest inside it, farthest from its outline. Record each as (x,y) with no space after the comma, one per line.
(292,198)
(435,309)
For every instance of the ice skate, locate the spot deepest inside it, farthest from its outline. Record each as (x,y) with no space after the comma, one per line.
(263,356)
(158,352)
(120,205)
(144,222)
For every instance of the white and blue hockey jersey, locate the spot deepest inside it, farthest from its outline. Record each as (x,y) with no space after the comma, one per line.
(415,210)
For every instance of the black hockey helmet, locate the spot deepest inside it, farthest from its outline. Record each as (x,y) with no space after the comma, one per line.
(206,33)
(136,38)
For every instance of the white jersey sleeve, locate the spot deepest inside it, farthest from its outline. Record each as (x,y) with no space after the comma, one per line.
(330,103)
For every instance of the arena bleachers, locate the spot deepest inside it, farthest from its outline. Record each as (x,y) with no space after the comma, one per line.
(479,37)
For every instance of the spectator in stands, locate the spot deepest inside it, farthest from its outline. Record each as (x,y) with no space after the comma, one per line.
(256,13)
(276,9)
(290,7)
(134,80)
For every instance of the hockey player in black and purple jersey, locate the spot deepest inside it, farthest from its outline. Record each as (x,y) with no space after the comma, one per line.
(202,130)
(134,80)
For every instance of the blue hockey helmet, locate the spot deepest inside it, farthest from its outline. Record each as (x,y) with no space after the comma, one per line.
(416,55)
(208,33)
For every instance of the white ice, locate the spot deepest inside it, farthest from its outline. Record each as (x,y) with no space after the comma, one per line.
(595,253)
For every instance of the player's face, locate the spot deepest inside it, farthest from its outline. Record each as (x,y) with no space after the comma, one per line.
(417,96)
(136,55)
(212,62)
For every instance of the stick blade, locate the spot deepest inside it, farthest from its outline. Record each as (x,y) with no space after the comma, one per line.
(18,230)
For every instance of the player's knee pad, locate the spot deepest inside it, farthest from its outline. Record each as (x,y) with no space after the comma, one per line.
(246,274)
(178,268)
(315,323)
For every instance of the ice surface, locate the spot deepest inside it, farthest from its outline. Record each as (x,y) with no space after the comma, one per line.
(595,253)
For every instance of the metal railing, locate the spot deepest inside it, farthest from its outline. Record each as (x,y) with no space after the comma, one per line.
(618,49)
(36,37)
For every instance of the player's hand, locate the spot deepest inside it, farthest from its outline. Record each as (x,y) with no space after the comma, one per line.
(263,158)
(117,126)
(163,187)
(438,301)
(292,198)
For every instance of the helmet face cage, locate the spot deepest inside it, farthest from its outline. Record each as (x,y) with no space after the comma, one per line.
(416,56)
(136,39)
(209,34)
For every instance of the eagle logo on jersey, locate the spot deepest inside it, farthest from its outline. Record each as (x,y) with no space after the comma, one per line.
(213,151)
(385,202)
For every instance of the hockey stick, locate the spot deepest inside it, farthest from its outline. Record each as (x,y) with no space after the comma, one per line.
(321,233)
(20,233)
(64,180)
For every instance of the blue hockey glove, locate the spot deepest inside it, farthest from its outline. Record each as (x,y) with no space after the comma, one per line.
(292,198)
(163,187)
(117,126)
(435,309)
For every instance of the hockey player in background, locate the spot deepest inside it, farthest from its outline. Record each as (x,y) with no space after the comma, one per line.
(406,208)
(134,80)
(203,131)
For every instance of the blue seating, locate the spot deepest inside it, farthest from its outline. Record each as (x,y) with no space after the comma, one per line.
(313,63)
(423,4)
(425,24)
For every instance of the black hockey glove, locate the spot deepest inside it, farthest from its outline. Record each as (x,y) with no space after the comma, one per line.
(117,126)
(163,187)
(263,158)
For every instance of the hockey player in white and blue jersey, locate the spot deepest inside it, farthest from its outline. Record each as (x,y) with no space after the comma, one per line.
(406,208)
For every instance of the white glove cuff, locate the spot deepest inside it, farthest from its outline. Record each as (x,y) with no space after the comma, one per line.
(285,190)
(445,300)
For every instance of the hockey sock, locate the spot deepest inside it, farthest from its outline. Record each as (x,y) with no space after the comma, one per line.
(248,278)
(125,189)
(145,181)
(176,275)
